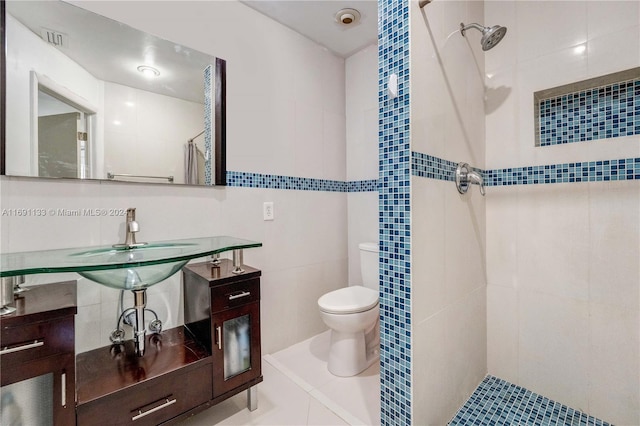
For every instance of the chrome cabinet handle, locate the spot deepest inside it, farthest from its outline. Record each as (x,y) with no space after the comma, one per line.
(239,295)
(35,344)
(219,335)
(153,410)
(63,389)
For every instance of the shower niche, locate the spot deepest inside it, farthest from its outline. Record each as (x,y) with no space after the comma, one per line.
(598,108)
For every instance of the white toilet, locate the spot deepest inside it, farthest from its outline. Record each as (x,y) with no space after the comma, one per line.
(352,313)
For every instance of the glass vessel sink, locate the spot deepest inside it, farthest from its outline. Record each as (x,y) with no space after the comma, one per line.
(121,268)
(137,277)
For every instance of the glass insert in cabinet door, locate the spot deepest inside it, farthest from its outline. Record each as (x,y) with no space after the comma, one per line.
(237,346)
(29,402)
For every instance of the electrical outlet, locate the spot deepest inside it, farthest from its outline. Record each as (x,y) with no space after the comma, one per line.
(267,210)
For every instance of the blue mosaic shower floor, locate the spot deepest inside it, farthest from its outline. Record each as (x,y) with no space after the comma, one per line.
(496,402)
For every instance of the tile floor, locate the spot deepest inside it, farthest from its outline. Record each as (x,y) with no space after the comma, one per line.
(496,402)
(299,390)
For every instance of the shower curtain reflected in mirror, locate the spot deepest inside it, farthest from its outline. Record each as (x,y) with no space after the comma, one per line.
(193,164)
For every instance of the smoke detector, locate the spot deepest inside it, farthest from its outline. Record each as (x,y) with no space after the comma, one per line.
(348,16)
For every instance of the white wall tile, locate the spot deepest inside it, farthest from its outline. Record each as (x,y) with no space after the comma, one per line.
(502,332)
(502,131)
(333,146)
(614,363)
(606,17)
(428,259)
(614,245)
(362,227)
(502,236)
(565,25)
(553,352)
(464,243)
(553,239)
(59,228)
(430,102)
(361,104)
(615,51)
(502,13)
(452,361)
(431,384)
(88,328)
(308,136)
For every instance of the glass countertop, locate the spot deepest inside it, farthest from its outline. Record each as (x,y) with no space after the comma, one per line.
(101,258)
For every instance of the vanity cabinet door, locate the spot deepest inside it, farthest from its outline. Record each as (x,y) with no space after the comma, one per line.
(236,347)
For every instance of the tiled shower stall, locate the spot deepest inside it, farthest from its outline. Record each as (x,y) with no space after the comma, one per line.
(538,283)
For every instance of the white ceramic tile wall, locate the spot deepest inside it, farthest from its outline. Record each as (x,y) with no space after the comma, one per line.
(361,100)
(563,296)
(296,90)
(146,133)
(448,230)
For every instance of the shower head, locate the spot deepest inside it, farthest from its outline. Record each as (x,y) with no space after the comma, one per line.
(490,35)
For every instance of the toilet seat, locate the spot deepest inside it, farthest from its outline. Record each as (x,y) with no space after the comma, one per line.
(348,300)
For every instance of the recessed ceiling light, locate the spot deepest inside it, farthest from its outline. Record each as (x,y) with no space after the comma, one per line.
(348,16)
(149,72)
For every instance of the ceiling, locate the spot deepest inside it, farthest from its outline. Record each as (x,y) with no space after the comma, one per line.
(315,19)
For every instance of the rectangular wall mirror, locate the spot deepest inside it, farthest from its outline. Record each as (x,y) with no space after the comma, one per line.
(87,97)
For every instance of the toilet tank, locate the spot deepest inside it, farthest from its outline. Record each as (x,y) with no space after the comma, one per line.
(369,265)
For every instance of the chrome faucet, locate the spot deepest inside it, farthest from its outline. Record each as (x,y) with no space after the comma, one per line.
(465,176)
(131,228)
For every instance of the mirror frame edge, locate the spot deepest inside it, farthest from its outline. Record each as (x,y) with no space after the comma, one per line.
(3,85)
(220,117)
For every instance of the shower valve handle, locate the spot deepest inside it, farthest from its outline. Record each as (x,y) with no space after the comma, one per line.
(465,176)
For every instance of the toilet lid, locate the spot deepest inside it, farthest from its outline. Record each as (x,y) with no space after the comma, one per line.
(348,300)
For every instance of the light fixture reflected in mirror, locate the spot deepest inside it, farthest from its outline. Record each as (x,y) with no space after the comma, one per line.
(148,71)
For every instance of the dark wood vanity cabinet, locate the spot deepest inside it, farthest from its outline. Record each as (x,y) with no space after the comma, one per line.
(222,309)
(186,369)
(37,343)
(171,381)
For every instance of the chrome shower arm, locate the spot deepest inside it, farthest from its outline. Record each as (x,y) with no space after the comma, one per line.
(464,27)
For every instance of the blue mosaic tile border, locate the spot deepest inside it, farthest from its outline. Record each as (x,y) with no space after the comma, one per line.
(603,112)
(587,171)
(259,180)
(424,165)
(496,402)
(370,185)
(394,214)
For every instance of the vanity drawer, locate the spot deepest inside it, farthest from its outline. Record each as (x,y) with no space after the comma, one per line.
(31,341)
(151,402)
(229,296)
